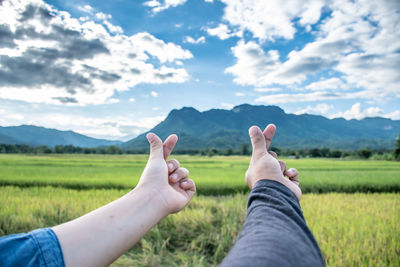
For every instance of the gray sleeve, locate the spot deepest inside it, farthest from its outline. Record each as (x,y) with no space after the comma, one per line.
(275,232)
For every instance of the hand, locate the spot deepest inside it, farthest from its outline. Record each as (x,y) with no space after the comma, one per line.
(167,181)
(264,164)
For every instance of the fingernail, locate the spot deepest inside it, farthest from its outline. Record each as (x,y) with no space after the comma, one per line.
(253,131)
(184,183)
(174,176)
(150,137)
(170,166)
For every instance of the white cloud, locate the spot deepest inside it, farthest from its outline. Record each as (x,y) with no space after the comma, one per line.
(131,99)
(157,6)
(191,40)
(395,115)
(111,127)
(358,112)
(113,100)
(86,9)
(332,83)
(253,65)
(227,105)
(306,97)
(359,40)
(58,59)
(223,32)
(152,3)
(320,109)
(267,89)
(102,16)
(240,94)
(154,94)
(268,20)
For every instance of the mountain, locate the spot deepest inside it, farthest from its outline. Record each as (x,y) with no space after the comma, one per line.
(224,129)
(37,136)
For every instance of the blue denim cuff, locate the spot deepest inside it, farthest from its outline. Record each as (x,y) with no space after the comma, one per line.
(49,246)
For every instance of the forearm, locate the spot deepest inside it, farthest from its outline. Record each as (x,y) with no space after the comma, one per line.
(275,232)
(101,236)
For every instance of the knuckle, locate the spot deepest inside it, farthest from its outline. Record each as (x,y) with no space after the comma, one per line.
(175,163)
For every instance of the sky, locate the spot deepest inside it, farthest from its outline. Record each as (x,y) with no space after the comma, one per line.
(113,69)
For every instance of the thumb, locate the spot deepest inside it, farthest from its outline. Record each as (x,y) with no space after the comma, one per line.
(156,145)
(257,141)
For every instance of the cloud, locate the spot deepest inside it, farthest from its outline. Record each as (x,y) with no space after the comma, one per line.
(86,9)
(131,99)
(240,94)
(358,42)
(307,97)
(112,127)
(157,6)
(223,32)
(265,90)
(332,83)
(320,109)
(46,56)
(191,40)
(358,112)
(268,20)
(227,105)
(395,115)
(154,94)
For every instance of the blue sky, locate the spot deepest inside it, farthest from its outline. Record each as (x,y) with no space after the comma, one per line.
(114,69)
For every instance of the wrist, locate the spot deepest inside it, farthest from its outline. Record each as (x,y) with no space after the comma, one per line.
(151,198)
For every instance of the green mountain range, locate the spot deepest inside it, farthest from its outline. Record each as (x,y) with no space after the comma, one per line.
(223,129)
(37,136)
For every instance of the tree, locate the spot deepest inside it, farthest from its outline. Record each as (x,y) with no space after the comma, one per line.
(396,151)
(244,149)
(315,153)
(336,153)
(364,153)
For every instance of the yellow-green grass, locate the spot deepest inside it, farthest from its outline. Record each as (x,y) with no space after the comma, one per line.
(213,176)
(352,229)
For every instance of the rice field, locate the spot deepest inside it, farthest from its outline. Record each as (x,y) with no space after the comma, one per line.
(123,172)
(353,229)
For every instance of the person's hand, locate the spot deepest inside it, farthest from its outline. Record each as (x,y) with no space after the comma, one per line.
(166,180)
(265,166)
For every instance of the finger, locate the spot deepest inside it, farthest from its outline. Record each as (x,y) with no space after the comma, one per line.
(281,163)
(188,185)
(269,133)
(173,164)
(293,175)
(178,175)
(257,141)
(283,166)
(169,144)
(156,145)
(272,153)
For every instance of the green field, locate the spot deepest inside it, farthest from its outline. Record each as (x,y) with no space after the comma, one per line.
(357,229)
(213,176)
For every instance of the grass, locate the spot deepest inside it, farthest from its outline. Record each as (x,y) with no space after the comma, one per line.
(213,176)
(352,229)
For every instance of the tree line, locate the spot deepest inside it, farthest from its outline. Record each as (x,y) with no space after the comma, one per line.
(243,150)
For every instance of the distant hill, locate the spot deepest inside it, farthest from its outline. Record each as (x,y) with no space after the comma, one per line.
(224,129)
(36,136)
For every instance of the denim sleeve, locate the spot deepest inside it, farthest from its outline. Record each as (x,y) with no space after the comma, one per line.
(275,232)
(37,248)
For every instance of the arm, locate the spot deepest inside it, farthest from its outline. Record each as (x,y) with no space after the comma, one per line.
(275,232)
(101,236)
